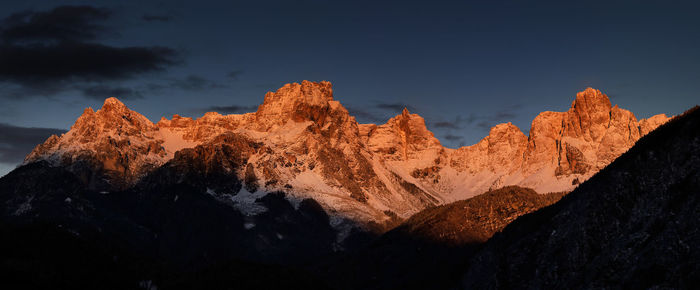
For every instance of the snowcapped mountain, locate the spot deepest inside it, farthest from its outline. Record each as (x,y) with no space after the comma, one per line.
(303,142)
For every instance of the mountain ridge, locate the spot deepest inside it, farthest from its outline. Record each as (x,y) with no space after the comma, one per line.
(310,146)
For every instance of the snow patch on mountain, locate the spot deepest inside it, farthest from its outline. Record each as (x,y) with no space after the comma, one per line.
(246,202)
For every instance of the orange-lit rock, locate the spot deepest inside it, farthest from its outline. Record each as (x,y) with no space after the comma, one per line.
(304,142)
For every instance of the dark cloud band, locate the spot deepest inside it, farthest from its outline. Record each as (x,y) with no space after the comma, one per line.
(49,52)
(234,109)
(36,64)
(63,23)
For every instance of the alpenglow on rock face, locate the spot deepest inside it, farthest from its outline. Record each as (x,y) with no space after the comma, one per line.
(303,142)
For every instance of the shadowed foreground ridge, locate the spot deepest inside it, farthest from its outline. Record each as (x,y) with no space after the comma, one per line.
(476,219)
(428,250)
(633,225)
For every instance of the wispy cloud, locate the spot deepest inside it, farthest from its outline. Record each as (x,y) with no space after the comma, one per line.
(454,140)
(234,74)
(506,114)
(234,109)
(100,92)
(224,110)
(457,123)
(453,137)
(394,107)
(194,83)
(363,115)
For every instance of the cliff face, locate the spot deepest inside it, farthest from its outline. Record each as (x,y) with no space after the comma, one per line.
(304,142)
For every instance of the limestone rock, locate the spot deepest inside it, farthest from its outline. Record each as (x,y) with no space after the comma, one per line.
(114,144)
(403,137)
(648,125)
(304,142)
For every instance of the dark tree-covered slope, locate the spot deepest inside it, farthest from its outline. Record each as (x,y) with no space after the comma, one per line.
(57,233)
(427,250)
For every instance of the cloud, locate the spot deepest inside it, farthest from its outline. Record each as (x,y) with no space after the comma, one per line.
(484,125)
(446,125)
(51,64)
(503,115)
(194,83)
(362,115)
(233,109)
(63,23)
(506,114)
(234,74)
(395,107)
(457,123)
(46,53)
(470,119)
(453,138)
(16,142)
(101,92)
(156,18)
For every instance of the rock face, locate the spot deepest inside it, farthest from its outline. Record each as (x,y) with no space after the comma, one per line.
(113,147)
(303,142)
(404,137)
(634,225)
(307,101)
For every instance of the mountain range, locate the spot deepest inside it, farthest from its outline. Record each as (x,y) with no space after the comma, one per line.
(301,191)
(305,143)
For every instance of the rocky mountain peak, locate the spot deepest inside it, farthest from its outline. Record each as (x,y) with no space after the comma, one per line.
(291,95)
(505,138)
(404,137)
(505,129)
(408,122)
(115,116)
(88,111)
(591,98)
(308,101)
(112,146)
(589,115)
(113,104)
(649,124)
(177,122)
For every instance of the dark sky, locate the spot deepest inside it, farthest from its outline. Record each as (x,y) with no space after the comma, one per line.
(463,65)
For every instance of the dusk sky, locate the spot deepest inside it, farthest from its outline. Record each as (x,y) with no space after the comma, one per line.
(462,65)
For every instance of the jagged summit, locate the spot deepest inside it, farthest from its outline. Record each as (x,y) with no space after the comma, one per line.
(405,133)
(304,142)
(593,98)
(113,118)
(299,102)
(113,102)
